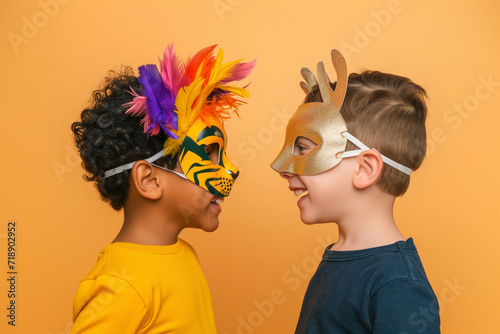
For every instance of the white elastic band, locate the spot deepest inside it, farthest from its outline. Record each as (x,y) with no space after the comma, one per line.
(119,169)
(363,147)
(173,171)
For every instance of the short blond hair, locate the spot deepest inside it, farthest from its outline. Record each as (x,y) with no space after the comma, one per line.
(386,112)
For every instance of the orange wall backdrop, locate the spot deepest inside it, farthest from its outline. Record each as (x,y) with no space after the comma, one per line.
(258,263)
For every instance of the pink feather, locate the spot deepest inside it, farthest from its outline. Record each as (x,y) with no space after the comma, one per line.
(137,107)
(240,71)
(172,73)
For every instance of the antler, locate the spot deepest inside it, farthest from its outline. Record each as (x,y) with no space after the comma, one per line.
(340,66)
(336,97)
(310,80)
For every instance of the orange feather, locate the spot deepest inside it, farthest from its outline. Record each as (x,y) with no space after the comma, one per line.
(205,55)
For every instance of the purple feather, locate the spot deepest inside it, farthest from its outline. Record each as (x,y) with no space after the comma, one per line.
(160,101)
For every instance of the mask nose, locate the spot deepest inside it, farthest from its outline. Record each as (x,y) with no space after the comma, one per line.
(233,174)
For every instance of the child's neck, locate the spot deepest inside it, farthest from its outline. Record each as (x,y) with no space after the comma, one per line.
(370,225)
(365,236)
(147,228)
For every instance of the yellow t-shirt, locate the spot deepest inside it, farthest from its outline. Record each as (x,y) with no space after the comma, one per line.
(144,289)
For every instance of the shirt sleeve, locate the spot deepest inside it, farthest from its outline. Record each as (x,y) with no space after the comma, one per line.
(404,306)
(107,304)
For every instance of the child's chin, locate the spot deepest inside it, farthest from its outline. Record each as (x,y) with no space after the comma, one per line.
(307,219)
(209,230)
(211,227)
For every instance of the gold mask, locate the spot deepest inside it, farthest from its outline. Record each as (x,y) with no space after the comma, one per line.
(319,122)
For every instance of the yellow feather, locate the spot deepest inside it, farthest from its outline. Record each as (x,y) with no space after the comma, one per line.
(219,72)
(187,112)
(236,90)
(185,101)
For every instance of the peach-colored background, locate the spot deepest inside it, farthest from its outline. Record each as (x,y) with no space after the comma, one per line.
(55,53)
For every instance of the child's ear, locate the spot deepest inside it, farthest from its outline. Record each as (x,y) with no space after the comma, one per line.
(368,169)
(146,180)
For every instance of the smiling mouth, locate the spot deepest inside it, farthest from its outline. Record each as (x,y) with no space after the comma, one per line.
(301,192)
(217,200)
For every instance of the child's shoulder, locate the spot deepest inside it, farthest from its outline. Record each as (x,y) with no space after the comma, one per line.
(399,267)
(380,265)
(124,260)
(186,244)
(399,260)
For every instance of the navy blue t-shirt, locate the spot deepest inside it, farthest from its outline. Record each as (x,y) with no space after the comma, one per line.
(376,290)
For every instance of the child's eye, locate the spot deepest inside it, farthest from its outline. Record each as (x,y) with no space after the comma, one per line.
(301,150)
(303,146)
(213,153)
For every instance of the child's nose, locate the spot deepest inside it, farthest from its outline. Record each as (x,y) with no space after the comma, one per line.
(286,175)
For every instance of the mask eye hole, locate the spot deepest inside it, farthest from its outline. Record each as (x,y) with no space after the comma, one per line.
(213,151)
(303,146)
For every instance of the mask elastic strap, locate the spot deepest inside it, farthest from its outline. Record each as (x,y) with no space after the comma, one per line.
(119,169)
(363,147)
(173,171)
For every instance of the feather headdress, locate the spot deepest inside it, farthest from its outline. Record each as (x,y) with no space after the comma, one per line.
(174,97)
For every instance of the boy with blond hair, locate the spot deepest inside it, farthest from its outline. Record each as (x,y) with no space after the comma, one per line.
(349,151)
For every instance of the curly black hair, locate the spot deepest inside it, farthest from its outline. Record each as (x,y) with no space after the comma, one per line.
(107,137)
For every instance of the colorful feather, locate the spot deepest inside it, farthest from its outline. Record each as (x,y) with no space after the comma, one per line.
(138,106)
(241,91)
(160,102)
(172,100)
(172,73)
(186,98)
(240,71)
(221,107)
(212,73)
(194,64)
(218,71)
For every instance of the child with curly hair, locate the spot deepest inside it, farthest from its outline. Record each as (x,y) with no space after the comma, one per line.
(155,146)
